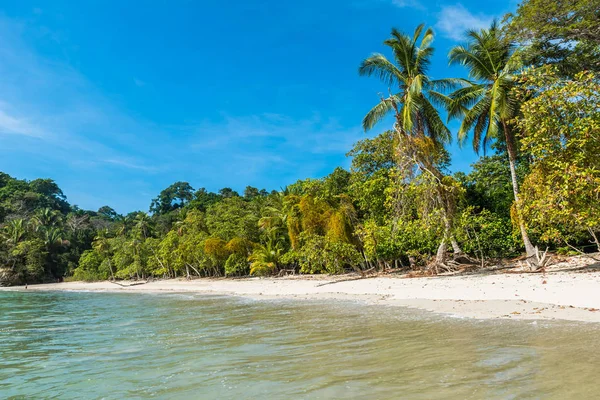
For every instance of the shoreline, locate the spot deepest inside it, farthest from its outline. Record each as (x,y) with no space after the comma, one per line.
(572,296)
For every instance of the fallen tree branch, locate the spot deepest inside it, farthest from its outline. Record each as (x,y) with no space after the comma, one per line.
(345,280)
(131,284)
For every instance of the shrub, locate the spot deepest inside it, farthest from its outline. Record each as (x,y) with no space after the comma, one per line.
(236,265)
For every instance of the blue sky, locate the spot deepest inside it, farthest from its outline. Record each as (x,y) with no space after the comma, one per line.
(115,100)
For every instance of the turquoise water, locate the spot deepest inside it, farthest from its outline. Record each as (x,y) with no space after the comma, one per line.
(116,346)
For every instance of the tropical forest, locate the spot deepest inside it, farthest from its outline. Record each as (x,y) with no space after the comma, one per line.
(527,101)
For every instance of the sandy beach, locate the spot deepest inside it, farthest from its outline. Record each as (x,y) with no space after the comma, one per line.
(566,295)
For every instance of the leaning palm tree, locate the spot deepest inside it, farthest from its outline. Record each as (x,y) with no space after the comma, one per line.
(488,104)
(421,132)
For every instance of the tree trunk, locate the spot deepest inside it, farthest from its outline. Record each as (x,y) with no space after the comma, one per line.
(455,247)
(112,275)
(512,157)
(446,201)
(440,257)
(595,238)
(192,267)
(448,233)
(411,262)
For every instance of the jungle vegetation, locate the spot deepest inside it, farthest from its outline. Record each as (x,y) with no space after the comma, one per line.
(529,103)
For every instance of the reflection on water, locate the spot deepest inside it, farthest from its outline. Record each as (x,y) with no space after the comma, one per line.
(115,346)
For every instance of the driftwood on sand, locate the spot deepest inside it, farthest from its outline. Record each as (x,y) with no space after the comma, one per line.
(131,284)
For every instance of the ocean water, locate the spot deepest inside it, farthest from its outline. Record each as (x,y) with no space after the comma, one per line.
(180,346)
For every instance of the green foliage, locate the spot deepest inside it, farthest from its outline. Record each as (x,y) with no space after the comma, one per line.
(319,254)
(203,199)
(411,104)
(487,103)
(175,196)
(372,163)
(108,213)
(561,132)
(420,132)
(486,234)
(236,265)
(216,250)
(92,267)
(228,192)
(265,259)
(488,185)
(233,217)
(565,33)
(31,255)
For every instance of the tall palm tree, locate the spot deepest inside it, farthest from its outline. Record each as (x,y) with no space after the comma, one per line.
(142,224)
(103,246)
(274,218)
(123,225)
(488,104)
(412,104)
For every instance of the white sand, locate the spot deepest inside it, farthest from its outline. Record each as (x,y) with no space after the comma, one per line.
(559,295)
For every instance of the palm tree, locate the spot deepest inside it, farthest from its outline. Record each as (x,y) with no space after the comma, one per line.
(265,259)
(53,236)
(123,225)
(103,246)
(418,124)
(274,219)
(142,224)
(45,218)
(487,105)
(136,246)
(16,230)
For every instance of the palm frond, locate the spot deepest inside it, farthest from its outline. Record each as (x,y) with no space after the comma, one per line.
(478,68)
(377,113)
(470,119)
(435,127)
(464,98)
(381,67)
(449,83)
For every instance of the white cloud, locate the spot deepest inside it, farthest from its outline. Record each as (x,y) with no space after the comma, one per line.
(453,21)
(407,3)
(12,125)
(313,134)
(124,162)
